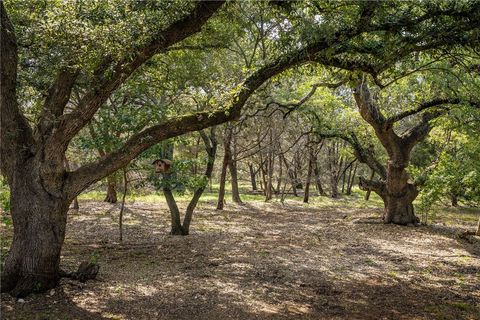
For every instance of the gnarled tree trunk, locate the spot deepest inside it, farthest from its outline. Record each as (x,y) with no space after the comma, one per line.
(396,191)
(399,196)
(34,258)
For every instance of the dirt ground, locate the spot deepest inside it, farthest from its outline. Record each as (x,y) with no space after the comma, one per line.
(260,261)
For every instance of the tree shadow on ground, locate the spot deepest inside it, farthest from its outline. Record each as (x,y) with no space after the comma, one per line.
(268,261)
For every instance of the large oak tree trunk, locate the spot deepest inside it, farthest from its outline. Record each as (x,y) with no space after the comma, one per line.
(399,196)
(397,193)
(39,221)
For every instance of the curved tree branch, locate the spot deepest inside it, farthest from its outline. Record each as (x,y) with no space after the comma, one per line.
(70,124)
(423,106)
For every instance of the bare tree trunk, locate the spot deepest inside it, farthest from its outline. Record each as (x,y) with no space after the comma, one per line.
(225,164)
(234,175)
(75,201)
(454,199)
(334,184)
(367,194)
(75,204)
(351,179)
(318,181)
(111,189)
(120,219)
(211,148)
(232,165)
(309,177)
(176,227)
(332,164)
(252,176)
(290,174)
(268,189)
(280,177)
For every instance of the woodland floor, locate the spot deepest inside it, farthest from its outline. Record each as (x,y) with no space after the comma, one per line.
(261,261)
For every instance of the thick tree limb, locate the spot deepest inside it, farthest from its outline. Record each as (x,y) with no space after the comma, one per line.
(420,130)
(379,187)
(57,98)
(70,124)
(368,110)
(86,175)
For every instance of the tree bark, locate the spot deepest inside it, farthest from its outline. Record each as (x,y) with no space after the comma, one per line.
(111,189)
(454,199)
(75,204)
(32,264)
(211,145)
(253,177)
(40,200)
(75,201)
(232,166)
(226,161)
(280,177)
(270,164)
(367,194)
(309,177)
(400,196)
(290,174)
(351,179)
(120,217)
(184,229)
(176,225)
(333,171)
(318,181)
(334,184)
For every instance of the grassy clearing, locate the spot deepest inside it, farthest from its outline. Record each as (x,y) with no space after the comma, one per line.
(439,215)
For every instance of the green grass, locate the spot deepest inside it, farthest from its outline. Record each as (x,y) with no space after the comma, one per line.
(446,215)
(453,215)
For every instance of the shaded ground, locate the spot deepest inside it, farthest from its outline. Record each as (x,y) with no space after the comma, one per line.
(260,261)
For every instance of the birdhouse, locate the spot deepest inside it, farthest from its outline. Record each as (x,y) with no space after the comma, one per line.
(162,165)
